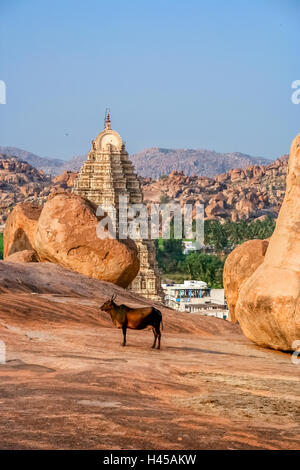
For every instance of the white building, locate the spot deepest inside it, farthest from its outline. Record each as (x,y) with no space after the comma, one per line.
(195,297)
(178,295)
(189,246)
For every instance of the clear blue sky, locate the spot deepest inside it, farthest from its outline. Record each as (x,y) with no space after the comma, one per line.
(209,74)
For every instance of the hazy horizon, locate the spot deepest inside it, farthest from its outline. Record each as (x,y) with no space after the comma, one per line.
(67,158)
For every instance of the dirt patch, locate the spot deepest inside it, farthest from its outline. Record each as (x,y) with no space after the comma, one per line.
(245,397)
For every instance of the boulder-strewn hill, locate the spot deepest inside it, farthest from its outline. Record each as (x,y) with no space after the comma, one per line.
(152,162)
(156,162)
(238,194)
(51,166)
(19,181)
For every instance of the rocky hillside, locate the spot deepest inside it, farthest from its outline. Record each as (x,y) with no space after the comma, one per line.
(247,193)
(19,182)
(156,162)
(152,162)
(239,194)
(51,166)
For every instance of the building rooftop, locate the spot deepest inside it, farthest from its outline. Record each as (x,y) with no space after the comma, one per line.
(188,285)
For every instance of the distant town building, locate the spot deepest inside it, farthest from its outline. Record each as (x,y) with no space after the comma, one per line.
(177,295)
(195,297)
(189,246)
(107,174)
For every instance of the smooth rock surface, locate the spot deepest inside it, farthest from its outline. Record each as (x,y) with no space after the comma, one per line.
(69,384)
(268,302)
(239,266)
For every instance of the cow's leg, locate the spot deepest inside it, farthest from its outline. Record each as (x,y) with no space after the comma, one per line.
(124,328)
(158,335)
(155,337)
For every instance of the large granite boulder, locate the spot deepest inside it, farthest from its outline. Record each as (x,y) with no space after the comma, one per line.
(65,233)
(239,266)
(20,228)
(268,305)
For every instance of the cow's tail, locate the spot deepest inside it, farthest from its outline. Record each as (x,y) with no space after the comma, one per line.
(160,317)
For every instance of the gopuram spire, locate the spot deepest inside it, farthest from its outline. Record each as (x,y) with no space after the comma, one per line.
(107,174)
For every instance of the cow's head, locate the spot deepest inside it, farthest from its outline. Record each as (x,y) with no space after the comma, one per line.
(106,307)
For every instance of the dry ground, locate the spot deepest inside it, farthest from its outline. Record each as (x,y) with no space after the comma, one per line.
(68,383)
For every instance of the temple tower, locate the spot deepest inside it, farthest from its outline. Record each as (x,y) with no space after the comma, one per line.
(106,174)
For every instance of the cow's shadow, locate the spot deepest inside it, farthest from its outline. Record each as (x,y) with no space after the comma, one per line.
(198,350)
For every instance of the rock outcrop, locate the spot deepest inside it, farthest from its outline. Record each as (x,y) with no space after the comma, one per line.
(20,228)
(65,180)
(25,256)
(239,266)
(64,232)
(268,304)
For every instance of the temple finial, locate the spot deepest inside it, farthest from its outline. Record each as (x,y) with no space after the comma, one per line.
(107,119)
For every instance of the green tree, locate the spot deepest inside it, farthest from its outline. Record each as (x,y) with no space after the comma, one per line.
(169,254)
(215,235)
(204,267)
(164,199)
